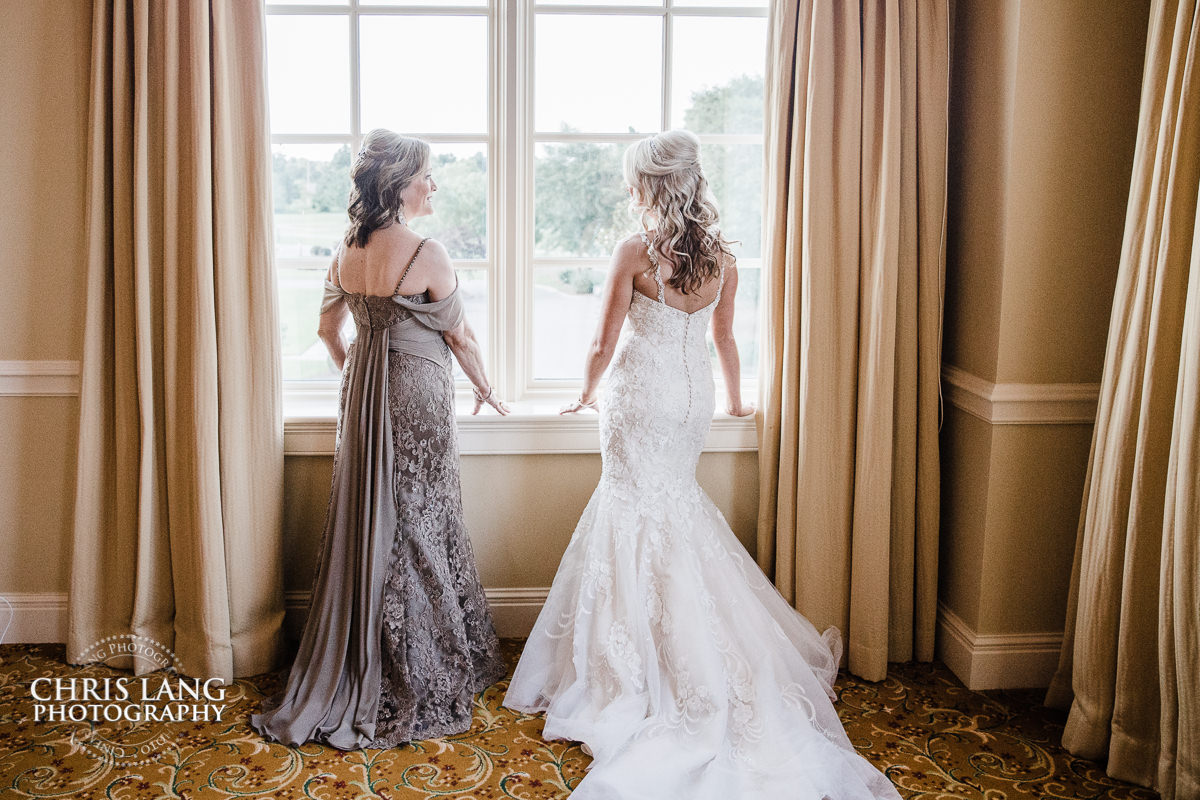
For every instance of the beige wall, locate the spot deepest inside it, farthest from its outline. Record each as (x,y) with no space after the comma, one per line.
(44,74)
(1076,90)
(521,510)
(1043,117)
(44,80)
(984,53)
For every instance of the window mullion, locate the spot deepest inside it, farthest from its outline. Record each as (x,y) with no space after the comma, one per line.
(355,79)
(519,323)
(666,68)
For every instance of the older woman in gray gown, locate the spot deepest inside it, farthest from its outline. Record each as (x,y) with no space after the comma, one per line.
(399,637)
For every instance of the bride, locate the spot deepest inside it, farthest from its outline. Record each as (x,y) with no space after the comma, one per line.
(662,647)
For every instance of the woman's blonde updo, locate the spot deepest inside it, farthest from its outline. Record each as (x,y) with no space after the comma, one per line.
(672,193)
(383,169)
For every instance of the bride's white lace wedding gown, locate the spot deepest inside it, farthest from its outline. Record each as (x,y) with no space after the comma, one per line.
(662,646)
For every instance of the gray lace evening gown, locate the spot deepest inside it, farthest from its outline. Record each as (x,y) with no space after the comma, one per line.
(399,636)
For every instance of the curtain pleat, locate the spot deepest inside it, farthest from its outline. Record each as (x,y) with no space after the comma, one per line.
(855,227)
(1128,668)
(178,515)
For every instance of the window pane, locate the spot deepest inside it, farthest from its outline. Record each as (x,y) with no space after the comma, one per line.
(473,283)
(304,355)
(734,172)
(308,73)
(581,208)
(745,319)
(310,185)
(566,308)
(717,74)
(447,93)
(585,83)
(459,219)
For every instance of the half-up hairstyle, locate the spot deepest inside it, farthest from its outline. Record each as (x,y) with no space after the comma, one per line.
(383,168)
(672,190)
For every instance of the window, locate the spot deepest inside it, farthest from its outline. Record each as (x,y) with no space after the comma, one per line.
(528,108)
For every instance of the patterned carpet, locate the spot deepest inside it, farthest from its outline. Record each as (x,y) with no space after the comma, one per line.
(934,739)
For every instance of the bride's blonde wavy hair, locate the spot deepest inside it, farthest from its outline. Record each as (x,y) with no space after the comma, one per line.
(384,167)
(671,188)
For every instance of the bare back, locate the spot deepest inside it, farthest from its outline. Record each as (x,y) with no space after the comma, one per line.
(644,283)
(377,268)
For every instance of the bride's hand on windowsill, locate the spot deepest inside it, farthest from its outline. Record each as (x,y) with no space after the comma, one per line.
(742,410)
(577,405)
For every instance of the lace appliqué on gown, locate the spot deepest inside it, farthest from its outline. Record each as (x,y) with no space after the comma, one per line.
(438,642)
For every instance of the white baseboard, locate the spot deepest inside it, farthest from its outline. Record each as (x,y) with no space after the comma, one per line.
(513,610)
(38,618)
(1004,661)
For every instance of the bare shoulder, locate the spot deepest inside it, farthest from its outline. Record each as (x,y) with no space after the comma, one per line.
(437,265)
(435,254)
(629,254)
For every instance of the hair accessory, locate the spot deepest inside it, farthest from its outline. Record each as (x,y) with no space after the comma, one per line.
(654,152)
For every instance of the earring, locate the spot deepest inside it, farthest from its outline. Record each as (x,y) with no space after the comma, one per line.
(400,217)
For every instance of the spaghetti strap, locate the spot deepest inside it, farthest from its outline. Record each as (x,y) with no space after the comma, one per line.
(662,292)
(408,266)
(337,264)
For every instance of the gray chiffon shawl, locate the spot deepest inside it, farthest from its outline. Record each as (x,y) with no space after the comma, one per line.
(332,693)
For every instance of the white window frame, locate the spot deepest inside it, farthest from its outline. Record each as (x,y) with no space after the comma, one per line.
(510,263)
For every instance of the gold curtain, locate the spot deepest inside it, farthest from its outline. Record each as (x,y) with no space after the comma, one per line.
(178,508)
(852,292)
(1129,663)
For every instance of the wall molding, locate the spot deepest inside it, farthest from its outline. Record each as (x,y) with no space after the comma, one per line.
(1021,403)
(39,378)
(996,661)
(41,617)
(531,430)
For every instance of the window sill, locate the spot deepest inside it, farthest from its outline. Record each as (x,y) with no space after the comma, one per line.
(533,427)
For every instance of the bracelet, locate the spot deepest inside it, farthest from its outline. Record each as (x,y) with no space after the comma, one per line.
(591,405)
(482,397)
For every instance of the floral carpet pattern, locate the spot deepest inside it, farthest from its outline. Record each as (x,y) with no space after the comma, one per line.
(933,738)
